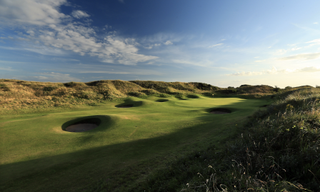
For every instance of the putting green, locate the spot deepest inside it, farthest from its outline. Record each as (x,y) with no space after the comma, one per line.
(38,154)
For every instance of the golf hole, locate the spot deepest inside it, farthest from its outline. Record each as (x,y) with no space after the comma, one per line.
(220,111)
(84,125)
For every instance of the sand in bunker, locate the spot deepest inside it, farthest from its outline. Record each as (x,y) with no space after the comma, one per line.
(81,127)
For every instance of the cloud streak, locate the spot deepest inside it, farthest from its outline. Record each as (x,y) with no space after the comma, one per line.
(56,77)
(216,45)
(304,56)
(276,71)
(79,14)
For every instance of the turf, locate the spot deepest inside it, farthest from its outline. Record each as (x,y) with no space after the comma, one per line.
(130,143)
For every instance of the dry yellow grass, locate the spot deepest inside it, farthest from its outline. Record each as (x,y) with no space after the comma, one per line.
(16,94)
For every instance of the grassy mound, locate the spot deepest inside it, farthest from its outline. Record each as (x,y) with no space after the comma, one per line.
(278,150)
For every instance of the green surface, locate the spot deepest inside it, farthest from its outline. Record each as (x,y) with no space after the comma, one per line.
(37,155)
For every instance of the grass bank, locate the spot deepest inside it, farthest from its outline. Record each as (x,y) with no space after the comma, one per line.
(277,150)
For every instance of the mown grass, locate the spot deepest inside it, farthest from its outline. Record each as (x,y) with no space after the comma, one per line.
(130,143)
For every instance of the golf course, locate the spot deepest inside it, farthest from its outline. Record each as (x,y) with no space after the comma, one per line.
(113,144)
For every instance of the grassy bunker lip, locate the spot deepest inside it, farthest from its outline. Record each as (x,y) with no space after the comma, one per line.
(83,125)
(193,96)
(124,106)
(220,111)
(162,100)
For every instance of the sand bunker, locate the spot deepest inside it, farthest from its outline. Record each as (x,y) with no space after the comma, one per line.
(81,127)
(220,111)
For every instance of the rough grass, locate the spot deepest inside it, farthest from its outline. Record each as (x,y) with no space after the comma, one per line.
(278,149)
(18,96)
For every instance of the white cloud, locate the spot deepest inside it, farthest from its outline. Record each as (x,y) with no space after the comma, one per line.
(195,63)
(316,23)
(168,43)
(295,48)
(6,69)
(314,42)
(49,30)
(246,73)
(31,11)
(215,45)
(79,14)
(280,52)
(304,56)
(309,69)
(276,71)
(142,72)
(107,27)
(151,46)
(43,50)
(259,61)
(56,77)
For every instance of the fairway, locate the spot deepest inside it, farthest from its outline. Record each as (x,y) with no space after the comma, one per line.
(129,142)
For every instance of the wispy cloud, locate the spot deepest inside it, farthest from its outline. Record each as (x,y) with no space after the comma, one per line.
(55,77)
(280,52)
(276,71)
(307,28)
(43,50)
(314,42)
(48,29)
(309,69)
(79,14)
(6,69)
(168,43)
(142,72)
(249,73)
(260,61)
(215,45)
(304,56)
(31,12)
(316,23)
(195,63)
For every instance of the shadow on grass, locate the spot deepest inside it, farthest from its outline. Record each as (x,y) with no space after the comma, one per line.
(113,165)
(96,119)
(130,103)
(192,96)
(162,100)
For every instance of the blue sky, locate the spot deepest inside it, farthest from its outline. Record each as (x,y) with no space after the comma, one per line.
(223,43)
